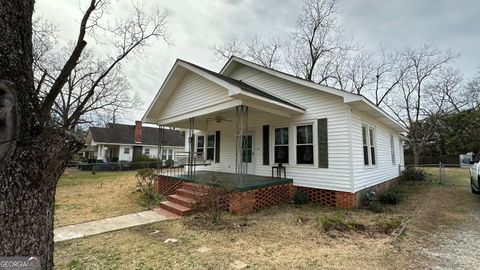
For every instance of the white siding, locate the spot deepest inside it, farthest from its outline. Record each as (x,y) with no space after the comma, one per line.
(319,105)
(346,171)
(125,157)
(366,176)
(194,92)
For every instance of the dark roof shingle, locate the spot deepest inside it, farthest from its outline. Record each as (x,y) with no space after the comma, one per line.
(125,134)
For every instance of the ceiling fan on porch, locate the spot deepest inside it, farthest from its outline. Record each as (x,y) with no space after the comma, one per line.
(218,118)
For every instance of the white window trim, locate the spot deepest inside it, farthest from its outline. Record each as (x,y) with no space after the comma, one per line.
(392,150)
(204,146)
(145,151)
(368,126)
(272,147)
(314,144)
(214,145)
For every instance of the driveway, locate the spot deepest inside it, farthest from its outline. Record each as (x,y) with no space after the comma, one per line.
(456,243)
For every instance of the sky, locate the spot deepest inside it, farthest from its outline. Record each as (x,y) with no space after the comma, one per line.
(195,26)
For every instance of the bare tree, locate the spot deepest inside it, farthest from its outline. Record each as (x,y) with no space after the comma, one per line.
(449,85)
(472,91)
(417,98)
(265,52)
(34,150)
(228,49)
(111,99)
(316,40)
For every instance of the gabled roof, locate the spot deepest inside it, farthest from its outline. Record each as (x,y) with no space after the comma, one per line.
(247,87)
(237,90)
(357,100)
(125,134)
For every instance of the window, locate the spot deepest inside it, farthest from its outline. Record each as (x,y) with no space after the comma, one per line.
(200,145)
(164,154)
(147,151)
(372,146)
(305,144)
(368,139)
(126,150)
(365,146)
(247,149)
(392,149)
(170,154)
(210,147)
(281,145)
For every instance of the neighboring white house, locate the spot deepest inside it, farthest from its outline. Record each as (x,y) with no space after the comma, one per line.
(119,142)
(327,138)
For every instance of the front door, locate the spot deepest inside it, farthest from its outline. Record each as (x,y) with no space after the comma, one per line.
(248,154)
(137,152)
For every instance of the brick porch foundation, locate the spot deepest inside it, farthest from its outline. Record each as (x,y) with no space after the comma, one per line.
(165,185)
(249,201)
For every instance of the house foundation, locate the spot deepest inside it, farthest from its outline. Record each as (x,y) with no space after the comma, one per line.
(244,202)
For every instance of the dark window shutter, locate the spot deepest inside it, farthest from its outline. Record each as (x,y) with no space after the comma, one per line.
(322,127)
(266,145)
(217,146)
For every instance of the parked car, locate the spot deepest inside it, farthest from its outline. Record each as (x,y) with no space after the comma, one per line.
(475,174)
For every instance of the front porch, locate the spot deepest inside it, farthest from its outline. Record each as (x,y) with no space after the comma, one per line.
(247,192)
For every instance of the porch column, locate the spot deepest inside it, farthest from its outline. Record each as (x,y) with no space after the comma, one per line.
(191,149)
(161,142)
(241,167)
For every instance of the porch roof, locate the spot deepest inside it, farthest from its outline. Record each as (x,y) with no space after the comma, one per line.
(240,92)
(247,87)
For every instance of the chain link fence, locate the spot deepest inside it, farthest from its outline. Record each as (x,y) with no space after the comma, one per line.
(125,166)
(443,173)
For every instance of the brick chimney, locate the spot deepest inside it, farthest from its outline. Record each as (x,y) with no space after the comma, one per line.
(138,131)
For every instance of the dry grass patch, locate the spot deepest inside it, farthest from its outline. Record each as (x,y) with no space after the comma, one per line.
(283,237)
(273,239)
(82,197)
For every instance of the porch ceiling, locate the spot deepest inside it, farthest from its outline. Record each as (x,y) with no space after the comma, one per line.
(207,121)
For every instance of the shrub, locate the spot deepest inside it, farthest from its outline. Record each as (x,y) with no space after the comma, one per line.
(300,197)
(376,207)
(389,197)
(340,222)
(413,174)
(145,183)
(212,203)
(388,226)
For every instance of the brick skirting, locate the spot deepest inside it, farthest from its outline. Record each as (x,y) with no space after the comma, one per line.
(249,201)
(329,197)
(165,185)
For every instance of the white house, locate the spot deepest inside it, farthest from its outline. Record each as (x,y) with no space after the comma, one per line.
(248,118)
(119,142)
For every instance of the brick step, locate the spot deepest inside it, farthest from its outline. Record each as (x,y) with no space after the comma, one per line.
(193,194)
(178,199)
(192,186)
(175,208)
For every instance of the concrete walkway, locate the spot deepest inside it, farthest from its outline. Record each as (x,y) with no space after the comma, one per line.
(110,224)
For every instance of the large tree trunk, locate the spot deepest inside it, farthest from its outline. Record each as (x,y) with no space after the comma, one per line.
(416,154)
(34,155)
(27,194)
